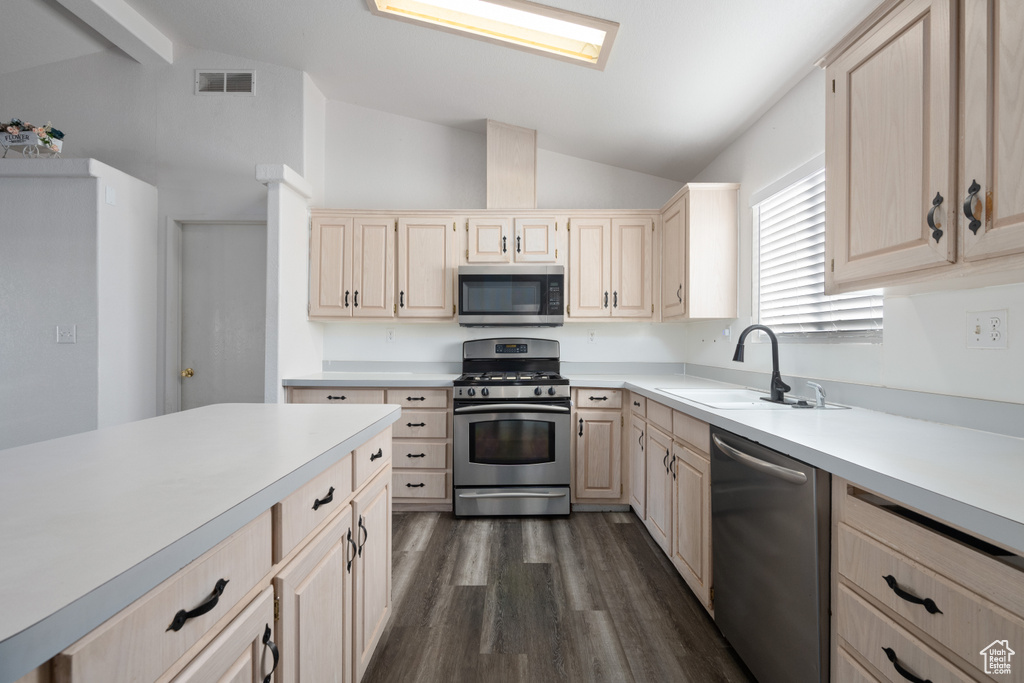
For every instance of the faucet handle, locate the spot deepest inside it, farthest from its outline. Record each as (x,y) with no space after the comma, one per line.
(819,394)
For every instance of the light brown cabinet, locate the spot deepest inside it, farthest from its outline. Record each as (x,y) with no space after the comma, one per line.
(422,448)
(371,569)
(939,600)
(698,255)
(691,519)
(992,129)
(503,239)
(352,261)
(598,453)
(426,249)
(659,488)
(611,267)
(918,85)
(637,441)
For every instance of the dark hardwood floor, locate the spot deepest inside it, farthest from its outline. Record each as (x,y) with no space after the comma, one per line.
(585,598)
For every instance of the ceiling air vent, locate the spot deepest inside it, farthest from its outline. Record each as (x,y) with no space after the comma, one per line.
(225,82)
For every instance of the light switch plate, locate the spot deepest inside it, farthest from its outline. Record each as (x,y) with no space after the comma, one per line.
(987,329)
(67,334)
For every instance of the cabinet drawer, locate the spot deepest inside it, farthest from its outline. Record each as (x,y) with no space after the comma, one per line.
(660,415)
(236,653)
(695,432)
(418,398)
(963,622)
(136,645)
(298,514)
(848,670)
(422,424)
(868,631)
(369,458)
(598,398)
(336,395)
(420,484)
(420,454)
(638,404)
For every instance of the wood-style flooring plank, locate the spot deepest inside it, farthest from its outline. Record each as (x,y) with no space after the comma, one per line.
(590,597)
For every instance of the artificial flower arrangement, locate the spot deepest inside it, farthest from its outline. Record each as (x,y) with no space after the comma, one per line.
(18,132)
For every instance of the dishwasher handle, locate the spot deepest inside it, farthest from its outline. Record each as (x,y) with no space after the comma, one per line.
(771,469)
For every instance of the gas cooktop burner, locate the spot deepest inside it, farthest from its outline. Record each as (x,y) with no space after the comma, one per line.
(510,377)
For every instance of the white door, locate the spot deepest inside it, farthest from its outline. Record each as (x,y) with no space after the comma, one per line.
(223,313)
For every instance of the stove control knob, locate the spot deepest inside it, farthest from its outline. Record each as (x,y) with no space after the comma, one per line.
(471,392)
(551,391)
(538,391)
(485,391)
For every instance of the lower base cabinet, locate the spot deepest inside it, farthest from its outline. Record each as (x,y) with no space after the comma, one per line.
(659,488)
(371,569)
(242,653)
(691,519)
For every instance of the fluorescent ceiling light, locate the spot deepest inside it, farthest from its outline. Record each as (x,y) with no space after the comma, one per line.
(515,23)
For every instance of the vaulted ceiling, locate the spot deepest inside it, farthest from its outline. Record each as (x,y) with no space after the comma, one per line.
(684,79)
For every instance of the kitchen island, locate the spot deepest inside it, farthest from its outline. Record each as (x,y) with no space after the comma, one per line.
(92,522)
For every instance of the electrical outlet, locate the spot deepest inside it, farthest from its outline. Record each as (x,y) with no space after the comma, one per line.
(389,336)
(592,336)
(67,334)
(987,329)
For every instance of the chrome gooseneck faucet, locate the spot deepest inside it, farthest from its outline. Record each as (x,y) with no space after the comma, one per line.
(778,388)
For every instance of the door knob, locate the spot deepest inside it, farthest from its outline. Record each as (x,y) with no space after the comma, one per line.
(187,372)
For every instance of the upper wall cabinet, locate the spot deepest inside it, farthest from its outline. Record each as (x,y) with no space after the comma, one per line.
(426,248)
(611,267)
(511,240)
(897,113)
(351,266)
(992,176)
(698,255)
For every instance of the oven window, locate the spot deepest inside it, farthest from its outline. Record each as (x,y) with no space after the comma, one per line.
(511,442)
(511,296)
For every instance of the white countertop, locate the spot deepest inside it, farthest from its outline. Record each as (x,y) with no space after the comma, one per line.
(373,379)
(966,477)
(91,522)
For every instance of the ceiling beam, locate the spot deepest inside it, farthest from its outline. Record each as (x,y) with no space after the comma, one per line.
(122,25)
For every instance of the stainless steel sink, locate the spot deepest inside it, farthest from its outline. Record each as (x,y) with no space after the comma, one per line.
(734,399)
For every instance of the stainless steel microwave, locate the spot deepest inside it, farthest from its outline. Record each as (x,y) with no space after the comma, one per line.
(531,296)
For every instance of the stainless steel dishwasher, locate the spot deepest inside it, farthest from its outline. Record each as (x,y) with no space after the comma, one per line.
(770,530)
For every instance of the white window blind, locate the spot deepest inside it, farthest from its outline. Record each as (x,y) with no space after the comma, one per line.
(792,270)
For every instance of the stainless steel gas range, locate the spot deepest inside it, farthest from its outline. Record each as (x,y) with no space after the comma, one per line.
(512,426)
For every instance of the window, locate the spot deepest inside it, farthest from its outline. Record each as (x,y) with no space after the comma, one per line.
(791,277)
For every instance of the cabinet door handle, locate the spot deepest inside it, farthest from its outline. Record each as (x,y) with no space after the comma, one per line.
(581,426)
(355,298)
(672,465)
(518,245)
(415,398)
(504,244)
(891,654)
(346,298)
(641,440)
(401,299)
(415,486)
(679,293)
(352,545)
(336,398)
(928,603)
(325,500)
(378,455)
(415,455)
(182,616)
(415,424)
(606,299)
(936,231)
(269,645)
(366,535)
(615,298)
(972,193)
(664,462)
(598,398)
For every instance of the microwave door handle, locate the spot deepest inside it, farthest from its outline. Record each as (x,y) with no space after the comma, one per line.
(511,407)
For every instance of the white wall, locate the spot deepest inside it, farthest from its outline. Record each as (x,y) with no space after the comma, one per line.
(314,134)
(436,342)
(924,347)
(565,182)
(127,291)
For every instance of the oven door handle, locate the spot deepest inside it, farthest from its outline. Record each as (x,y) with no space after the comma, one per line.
(513,494)
(511,407)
